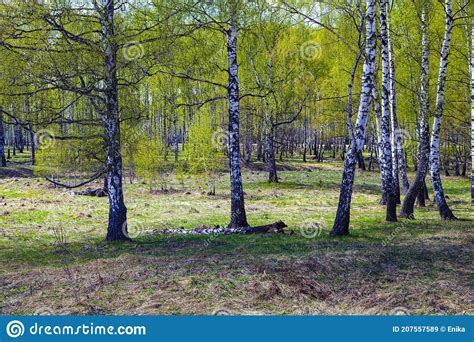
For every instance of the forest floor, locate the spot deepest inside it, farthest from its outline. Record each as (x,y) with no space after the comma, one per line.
(54,259)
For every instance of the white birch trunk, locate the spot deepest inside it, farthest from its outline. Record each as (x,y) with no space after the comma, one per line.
(472,115)
(443,208)
(3,160)
(380,159)
(398,153)
(388,149)
(238,217)
(117,228)
(147,110)
(418,185)
(341,222)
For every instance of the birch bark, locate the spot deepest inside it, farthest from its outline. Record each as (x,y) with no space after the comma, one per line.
(417,186)
(272,170)
(3,160)
(238,217)
(472,115)
(389,163)
(147,110)
(117,227)
(444,210)
(398,153)
(341,222)
(379,145)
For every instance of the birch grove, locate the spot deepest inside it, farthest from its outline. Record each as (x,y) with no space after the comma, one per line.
(121,93)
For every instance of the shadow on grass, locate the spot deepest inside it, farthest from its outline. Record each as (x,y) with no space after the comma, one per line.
(15,172)
(382,236)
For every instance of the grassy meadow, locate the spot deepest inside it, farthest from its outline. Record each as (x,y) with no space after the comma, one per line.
(55,260)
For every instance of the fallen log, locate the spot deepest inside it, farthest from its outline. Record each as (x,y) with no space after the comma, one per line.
(276,227)
(100,192)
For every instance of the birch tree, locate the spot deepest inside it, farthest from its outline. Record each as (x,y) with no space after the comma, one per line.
(444,210)
(227,19)
(398,153)
(238,217)
(472,114)
(104,96)
(417,186)
(388,163)
(379,145)
(275,70)
(82,51)
(341,222)
(117,226)
(3,160)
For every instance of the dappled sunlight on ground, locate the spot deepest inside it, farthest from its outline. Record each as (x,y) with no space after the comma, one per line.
(420,266)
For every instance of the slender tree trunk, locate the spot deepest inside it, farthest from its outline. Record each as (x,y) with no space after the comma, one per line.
(315,145)
(341,222)
(117,228)
(270,151)
(402,161)
(33,146)
(456,165)
(175,129)
(272,171)
(472,115)
(248,147)
(183,132)
(8,141)
(3,160)
(343,149)
(264,141)
(407,210)
(165,131)
(444,210)
(305,138)
(19,138)
(398,153)
(391,214)
(13,139)
(238,217)
(380,159)
(360,160)
(421,197)
(147,110)
(259,142)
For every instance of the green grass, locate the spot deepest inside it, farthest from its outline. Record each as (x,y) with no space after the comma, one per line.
(421,266)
